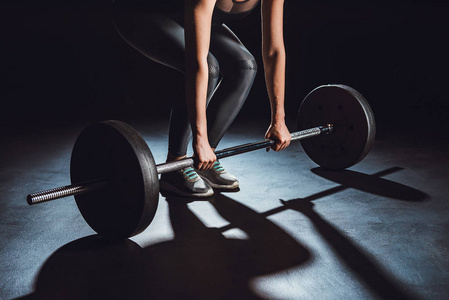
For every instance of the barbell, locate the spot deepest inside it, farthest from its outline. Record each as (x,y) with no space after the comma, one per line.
(115,178)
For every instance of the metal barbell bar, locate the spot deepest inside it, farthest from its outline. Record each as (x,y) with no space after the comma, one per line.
(101,183)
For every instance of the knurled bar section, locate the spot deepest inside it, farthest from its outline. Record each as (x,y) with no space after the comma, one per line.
(66,191)
(306,133)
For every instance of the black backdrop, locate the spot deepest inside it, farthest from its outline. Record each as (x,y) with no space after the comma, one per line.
(63,60)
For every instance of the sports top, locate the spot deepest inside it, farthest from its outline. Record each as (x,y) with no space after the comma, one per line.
(224,9)
(233,9)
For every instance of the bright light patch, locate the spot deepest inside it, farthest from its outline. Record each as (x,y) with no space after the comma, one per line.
(236,233)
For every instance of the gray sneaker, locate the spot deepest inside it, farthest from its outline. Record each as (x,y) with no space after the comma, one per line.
(185,182)
(218,178)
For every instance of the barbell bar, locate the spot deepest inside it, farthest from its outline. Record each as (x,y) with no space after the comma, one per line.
(101,183)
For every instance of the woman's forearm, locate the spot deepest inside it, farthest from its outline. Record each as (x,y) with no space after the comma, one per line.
(274,63)
(196,90)
(198,14)
(273,53)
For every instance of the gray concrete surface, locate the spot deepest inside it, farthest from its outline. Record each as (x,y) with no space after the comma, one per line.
(294,231)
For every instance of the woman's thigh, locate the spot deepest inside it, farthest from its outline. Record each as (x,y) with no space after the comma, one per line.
(157,36)
(229,50)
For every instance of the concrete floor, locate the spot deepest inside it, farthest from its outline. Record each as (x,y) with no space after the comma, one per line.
(294,231)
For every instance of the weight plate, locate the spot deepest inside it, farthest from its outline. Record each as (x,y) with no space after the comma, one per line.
(354,126)
(115,151)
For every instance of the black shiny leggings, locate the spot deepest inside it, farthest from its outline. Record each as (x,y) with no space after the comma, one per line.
(232,70)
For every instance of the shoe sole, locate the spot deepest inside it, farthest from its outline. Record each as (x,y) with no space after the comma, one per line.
(172,189)
(221,186)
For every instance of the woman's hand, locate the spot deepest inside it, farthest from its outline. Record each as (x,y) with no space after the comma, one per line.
(204,155)
(280,134)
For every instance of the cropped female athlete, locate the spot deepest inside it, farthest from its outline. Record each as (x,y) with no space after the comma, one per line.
(191,37)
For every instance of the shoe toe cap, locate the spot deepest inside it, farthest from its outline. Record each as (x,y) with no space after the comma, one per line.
(227,178)
(201,186)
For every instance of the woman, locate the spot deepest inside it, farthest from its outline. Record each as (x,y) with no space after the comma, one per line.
(190,36)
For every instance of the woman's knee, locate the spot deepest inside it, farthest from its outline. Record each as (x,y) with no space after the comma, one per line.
(244,72)
(242,66)
(247,67)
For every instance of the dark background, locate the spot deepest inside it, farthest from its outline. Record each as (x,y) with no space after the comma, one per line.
(63,60)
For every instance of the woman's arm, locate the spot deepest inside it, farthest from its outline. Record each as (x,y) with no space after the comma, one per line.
(198,16)
(273,53)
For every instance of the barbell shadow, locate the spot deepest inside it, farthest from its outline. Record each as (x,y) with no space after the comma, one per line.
(93,267)
(364,187)
(367,271)
(90,268)
(373,184)
(371,275)
(199,263)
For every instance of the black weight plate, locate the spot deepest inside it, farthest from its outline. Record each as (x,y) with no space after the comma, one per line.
(354,126)
(115,151)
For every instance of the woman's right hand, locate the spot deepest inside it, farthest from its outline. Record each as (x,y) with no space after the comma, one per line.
(280,134)
(204,155)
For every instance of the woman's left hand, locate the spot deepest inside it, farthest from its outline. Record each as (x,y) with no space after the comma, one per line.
(280,134)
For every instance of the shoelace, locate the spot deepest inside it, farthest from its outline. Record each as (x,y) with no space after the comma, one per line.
(218,167)
(190,172)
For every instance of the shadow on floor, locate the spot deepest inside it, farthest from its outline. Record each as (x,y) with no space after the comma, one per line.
(367,183)
(373,184)
(199,263)
(369,273)
(363,267)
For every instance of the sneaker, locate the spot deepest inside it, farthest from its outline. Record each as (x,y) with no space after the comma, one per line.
(185,182)
(218,178)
